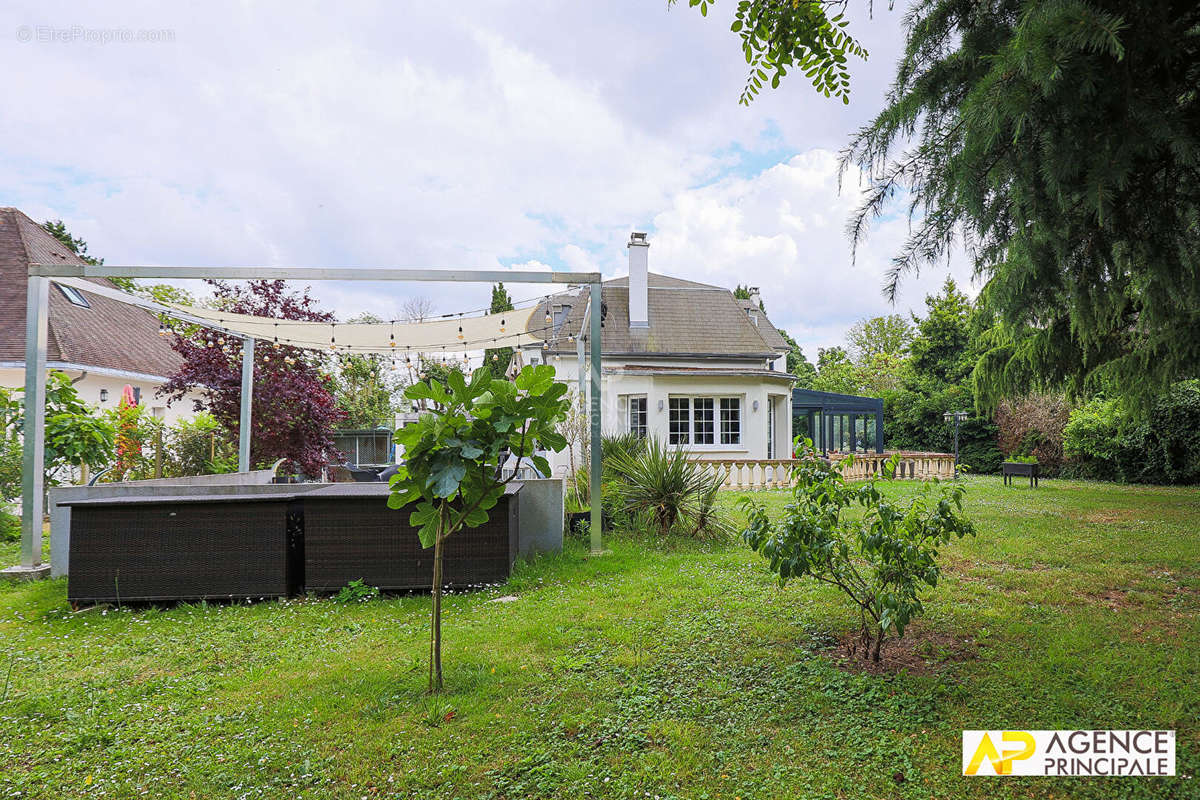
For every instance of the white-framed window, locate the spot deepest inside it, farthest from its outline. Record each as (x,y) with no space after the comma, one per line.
(731,420)
(704,421)
(679,420)
(638,416)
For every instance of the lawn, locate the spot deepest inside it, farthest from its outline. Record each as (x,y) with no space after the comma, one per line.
(668,671)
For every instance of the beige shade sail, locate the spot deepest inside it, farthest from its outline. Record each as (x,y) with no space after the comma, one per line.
(506,329)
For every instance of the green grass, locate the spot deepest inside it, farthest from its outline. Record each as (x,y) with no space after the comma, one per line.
(670,671)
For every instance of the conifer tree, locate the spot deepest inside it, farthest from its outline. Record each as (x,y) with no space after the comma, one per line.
(1058,141)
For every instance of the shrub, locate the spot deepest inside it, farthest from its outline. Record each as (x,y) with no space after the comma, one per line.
(1161,444)
(1093,438)
(663,484)
(881,559)
(912,420)
(1033,426)
(10,527)
(1165,447)
(10,468)
(356,591)
(613,448)
(199,446)
(617,446)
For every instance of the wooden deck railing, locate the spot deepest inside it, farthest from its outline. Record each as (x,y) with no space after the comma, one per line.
(742,473)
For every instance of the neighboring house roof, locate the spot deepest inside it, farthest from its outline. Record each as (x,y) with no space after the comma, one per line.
(686,319)
(108,335)
(769,332)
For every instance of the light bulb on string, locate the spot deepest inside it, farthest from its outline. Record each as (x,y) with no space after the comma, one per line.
(460,333)
(502,324)
(162,329)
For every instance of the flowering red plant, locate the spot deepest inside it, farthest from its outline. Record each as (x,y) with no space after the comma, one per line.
(293,411)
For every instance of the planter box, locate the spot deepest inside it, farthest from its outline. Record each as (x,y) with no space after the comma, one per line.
(351,534)
(151,549)
(1011,469)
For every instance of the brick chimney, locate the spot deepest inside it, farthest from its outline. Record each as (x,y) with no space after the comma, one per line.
(639,294)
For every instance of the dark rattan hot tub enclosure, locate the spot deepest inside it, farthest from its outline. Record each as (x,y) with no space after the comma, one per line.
(164,548)
(233,546)
(351,534)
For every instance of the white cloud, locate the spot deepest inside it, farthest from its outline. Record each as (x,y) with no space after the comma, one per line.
(783,231)
(529,134)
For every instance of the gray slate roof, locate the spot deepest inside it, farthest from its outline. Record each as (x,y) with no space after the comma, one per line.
(769,332)
(686,319)
(110,334)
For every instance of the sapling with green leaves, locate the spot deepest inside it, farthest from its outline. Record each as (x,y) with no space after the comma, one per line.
(456,454)
(882,559)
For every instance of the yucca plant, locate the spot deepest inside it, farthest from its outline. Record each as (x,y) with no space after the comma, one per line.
(663,482)
(711,523)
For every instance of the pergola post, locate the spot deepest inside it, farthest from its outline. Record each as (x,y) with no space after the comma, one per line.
(594,469)
(879,430)
(247,399)
(33,467)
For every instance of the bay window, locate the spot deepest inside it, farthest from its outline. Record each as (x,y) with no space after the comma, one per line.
(704,421)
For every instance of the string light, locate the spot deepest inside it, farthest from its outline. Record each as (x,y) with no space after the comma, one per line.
(162,329)
(460,333)
(332,338)
(502,324)
(392,335)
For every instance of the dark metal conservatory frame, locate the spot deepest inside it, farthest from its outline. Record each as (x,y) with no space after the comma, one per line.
(836,410)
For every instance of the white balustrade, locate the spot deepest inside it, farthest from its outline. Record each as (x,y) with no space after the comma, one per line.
(746,473)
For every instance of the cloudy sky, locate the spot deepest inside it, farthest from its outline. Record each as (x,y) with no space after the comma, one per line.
(471,134)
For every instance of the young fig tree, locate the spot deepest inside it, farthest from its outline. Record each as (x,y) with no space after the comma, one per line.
(456,455)
(881,559)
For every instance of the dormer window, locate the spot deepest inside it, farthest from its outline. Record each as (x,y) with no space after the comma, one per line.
(74,295)
(560,315)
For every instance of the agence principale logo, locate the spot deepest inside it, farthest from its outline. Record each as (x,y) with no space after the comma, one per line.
(1069,753)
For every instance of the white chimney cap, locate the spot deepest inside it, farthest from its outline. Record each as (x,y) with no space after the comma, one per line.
(638,238)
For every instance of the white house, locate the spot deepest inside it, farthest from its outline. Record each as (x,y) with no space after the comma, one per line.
(682,361)
(101,344)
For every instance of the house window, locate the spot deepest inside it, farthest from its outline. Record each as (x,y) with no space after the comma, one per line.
(637,416)
(703,426)
(731,420)
(561,311)
(74,295)
(695,421)
(679,420)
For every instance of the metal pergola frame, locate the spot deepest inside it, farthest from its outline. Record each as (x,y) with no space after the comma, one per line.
(37,325)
